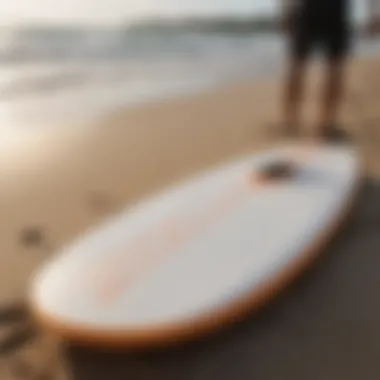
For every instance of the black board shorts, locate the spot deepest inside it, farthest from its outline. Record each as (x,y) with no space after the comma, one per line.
(321,28)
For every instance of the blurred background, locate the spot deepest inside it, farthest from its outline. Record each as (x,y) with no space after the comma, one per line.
(63,61)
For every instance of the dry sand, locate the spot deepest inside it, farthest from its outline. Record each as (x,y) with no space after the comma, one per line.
(63,181)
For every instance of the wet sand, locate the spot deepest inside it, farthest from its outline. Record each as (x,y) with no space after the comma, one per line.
(55,185)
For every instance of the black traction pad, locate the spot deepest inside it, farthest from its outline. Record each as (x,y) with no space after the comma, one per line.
(279,170)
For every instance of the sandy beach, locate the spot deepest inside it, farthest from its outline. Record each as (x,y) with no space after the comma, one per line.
(61,181)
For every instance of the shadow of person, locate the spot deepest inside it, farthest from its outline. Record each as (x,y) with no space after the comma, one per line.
(324,326)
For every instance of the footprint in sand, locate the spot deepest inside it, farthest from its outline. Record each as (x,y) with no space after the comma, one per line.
(18,332)
(34,237)
(16,328)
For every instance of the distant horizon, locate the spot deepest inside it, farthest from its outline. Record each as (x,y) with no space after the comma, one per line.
(146,20)
(126,22)
(96,12)
(138,11)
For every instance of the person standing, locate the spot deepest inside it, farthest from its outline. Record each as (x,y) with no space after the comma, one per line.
(324,24)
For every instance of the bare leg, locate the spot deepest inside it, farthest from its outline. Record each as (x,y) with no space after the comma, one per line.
(331,95)
(293,95)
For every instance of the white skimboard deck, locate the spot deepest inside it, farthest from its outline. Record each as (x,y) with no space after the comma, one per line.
(198,256)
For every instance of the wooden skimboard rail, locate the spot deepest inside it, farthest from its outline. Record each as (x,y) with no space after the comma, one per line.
(199,256)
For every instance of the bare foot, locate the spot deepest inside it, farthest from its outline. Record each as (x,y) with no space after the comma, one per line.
(332,134)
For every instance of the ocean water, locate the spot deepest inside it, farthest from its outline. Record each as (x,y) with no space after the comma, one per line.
(58,76)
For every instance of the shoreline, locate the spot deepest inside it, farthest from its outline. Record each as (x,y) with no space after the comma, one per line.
(95,97)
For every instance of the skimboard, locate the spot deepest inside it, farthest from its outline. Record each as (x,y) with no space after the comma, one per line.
(199,255)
